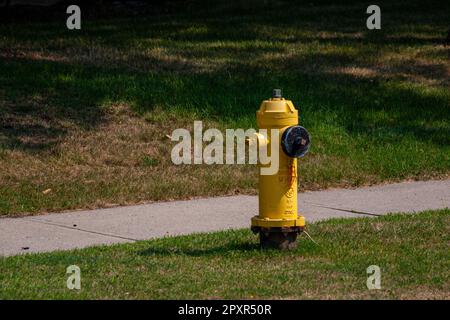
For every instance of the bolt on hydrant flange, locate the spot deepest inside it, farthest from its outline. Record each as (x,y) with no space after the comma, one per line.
(278,222)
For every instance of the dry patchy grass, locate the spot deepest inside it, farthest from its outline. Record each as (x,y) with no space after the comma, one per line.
(125,159)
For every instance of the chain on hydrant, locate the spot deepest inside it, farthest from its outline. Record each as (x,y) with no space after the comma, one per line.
(278,222)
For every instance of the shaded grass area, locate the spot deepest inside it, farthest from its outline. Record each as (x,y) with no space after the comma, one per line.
(410,249)
(86,114)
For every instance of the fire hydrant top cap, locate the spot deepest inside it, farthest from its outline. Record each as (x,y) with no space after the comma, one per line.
(276,93)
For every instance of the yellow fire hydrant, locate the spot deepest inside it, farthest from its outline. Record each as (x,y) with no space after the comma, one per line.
(278,222)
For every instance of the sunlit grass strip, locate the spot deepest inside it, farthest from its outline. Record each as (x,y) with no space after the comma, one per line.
(410,249)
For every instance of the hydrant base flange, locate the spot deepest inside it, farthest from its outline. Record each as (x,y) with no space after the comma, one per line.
(277,223)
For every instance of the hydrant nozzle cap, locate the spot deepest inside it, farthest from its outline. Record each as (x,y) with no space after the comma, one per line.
(276,93)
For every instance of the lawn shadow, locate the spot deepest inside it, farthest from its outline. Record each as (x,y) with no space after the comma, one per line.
(45,97)
(42,101)
(201,252)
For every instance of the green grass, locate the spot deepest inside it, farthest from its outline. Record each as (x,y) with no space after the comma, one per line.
(412,251)
(80,112)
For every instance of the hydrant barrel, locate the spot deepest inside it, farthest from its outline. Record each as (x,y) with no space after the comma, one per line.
(278,222)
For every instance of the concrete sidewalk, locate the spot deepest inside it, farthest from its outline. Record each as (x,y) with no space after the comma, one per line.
(126,224)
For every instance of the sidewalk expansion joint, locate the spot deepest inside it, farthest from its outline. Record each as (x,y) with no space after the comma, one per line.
(345,210)
(46,222)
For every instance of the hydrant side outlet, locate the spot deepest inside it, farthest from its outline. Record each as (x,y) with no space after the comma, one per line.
(278,222)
